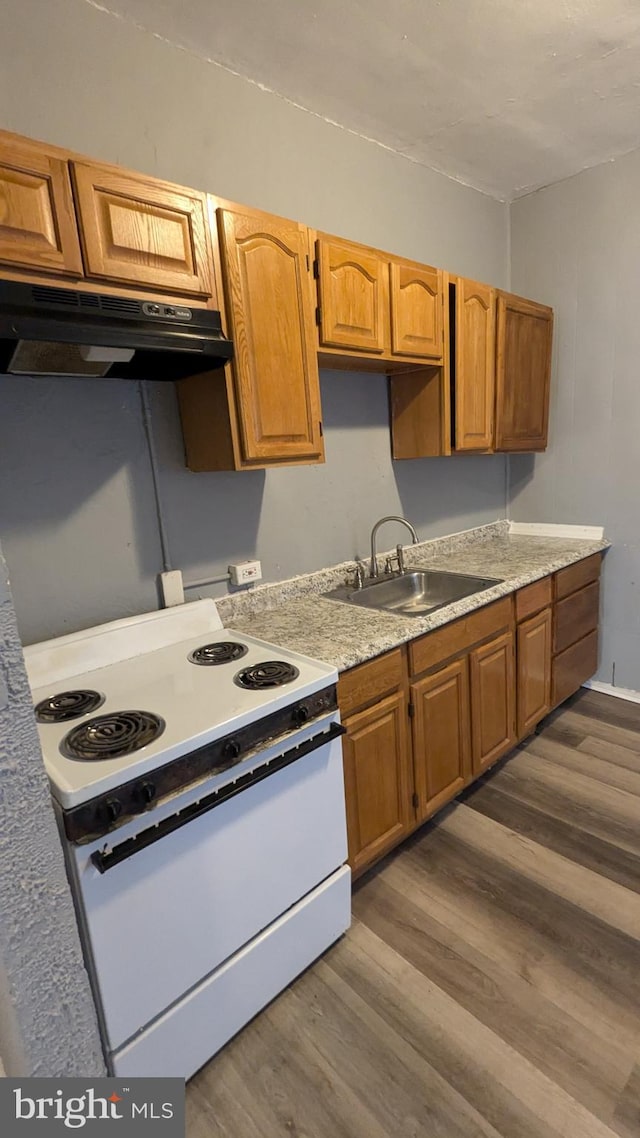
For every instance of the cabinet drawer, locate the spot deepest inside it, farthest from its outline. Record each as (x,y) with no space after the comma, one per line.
(575,576)
(573,666)
(533,598)
(436,647)
(575,616)
(369,682)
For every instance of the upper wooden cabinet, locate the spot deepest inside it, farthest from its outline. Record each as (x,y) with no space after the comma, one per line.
(139,231)
(493,390)
(268,299)
(37,220)
(473,364)
(416,310)
(523,372)
(353,296)
(377,305)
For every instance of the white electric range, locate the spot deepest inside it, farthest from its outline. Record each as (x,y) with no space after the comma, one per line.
(197,778)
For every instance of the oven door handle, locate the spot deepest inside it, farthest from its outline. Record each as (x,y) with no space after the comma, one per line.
(106,859)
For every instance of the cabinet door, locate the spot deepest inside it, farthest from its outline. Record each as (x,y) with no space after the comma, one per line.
(269,310)
(377,779)
(523,373)
(142,232)
(441,735)
(492,701)
(37,219)
(534,671)
(354,296)
(416,311)
(475,344)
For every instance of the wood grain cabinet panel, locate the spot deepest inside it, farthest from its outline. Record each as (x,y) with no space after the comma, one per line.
(434,648)
(441,735)
(523,373)
(370,681)
(37,218)
(268,295)
(492,700)
(576,615)
(533,671)
(474,361)
(575,576)
(377,777)
(353,294)
(534,597)
(416,311)
(142,232)
(572,667)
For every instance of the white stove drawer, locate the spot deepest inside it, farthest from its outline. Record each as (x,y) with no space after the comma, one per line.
(191,1032)
(167,916)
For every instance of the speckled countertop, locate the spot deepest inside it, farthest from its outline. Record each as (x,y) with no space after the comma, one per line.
(295,615)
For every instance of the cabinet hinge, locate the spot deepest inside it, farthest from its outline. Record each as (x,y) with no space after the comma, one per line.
(415,801)
(318,316)
(320,429)
(316,269)
(411,710)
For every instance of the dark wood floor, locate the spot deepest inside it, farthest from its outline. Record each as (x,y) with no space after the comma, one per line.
(490,984)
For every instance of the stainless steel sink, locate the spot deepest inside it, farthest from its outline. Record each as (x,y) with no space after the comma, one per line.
(415,593)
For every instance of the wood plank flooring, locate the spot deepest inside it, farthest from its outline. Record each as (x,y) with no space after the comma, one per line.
(490,984)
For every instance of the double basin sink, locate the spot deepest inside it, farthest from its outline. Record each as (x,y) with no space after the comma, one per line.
(416,592)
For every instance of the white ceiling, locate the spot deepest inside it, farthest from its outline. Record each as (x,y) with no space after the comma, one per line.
(506,95)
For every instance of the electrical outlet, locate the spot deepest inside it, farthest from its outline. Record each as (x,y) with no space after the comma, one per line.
(245,572)
(172,588)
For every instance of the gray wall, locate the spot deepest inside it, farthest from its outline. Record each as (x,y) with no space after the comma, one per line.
(47,1017)
(576,246)
(76,511)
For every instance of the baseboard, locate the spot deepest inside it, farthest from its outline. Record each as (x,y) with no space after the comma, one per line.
(608,689)
(550,529)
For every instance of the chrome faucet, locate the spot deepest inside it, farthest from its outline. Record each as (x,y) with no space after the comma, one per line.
(373,567)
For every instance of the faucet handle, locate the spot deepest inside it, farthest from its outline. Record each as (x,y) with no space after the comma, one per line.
(359,575)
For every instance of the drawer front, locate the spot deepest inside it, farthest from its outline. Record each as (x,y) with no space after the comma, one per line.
(369,682)
(575,616)
(436,647)
(573,666)
(533,598)
(576,576)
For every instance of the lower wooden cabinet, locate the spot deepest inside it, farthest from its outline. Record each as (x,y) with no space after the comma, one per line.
(377,776)
(533,681)
(441,735)
(492,672)
(472,689)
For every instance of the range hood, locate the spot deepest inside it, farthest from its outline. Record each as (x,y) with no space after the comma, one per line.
(71,332)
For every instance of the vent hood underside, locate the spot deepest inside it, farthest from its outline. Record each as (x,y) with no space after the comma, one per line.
(68,332)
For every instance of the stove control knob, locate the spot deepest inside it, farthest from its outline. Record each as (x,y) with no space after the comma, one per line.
(112,809)
(300,714)
(231,750)
(144,793)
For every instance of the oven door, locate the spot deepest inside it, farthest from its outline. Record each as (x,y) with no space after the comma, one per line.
(201,879)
